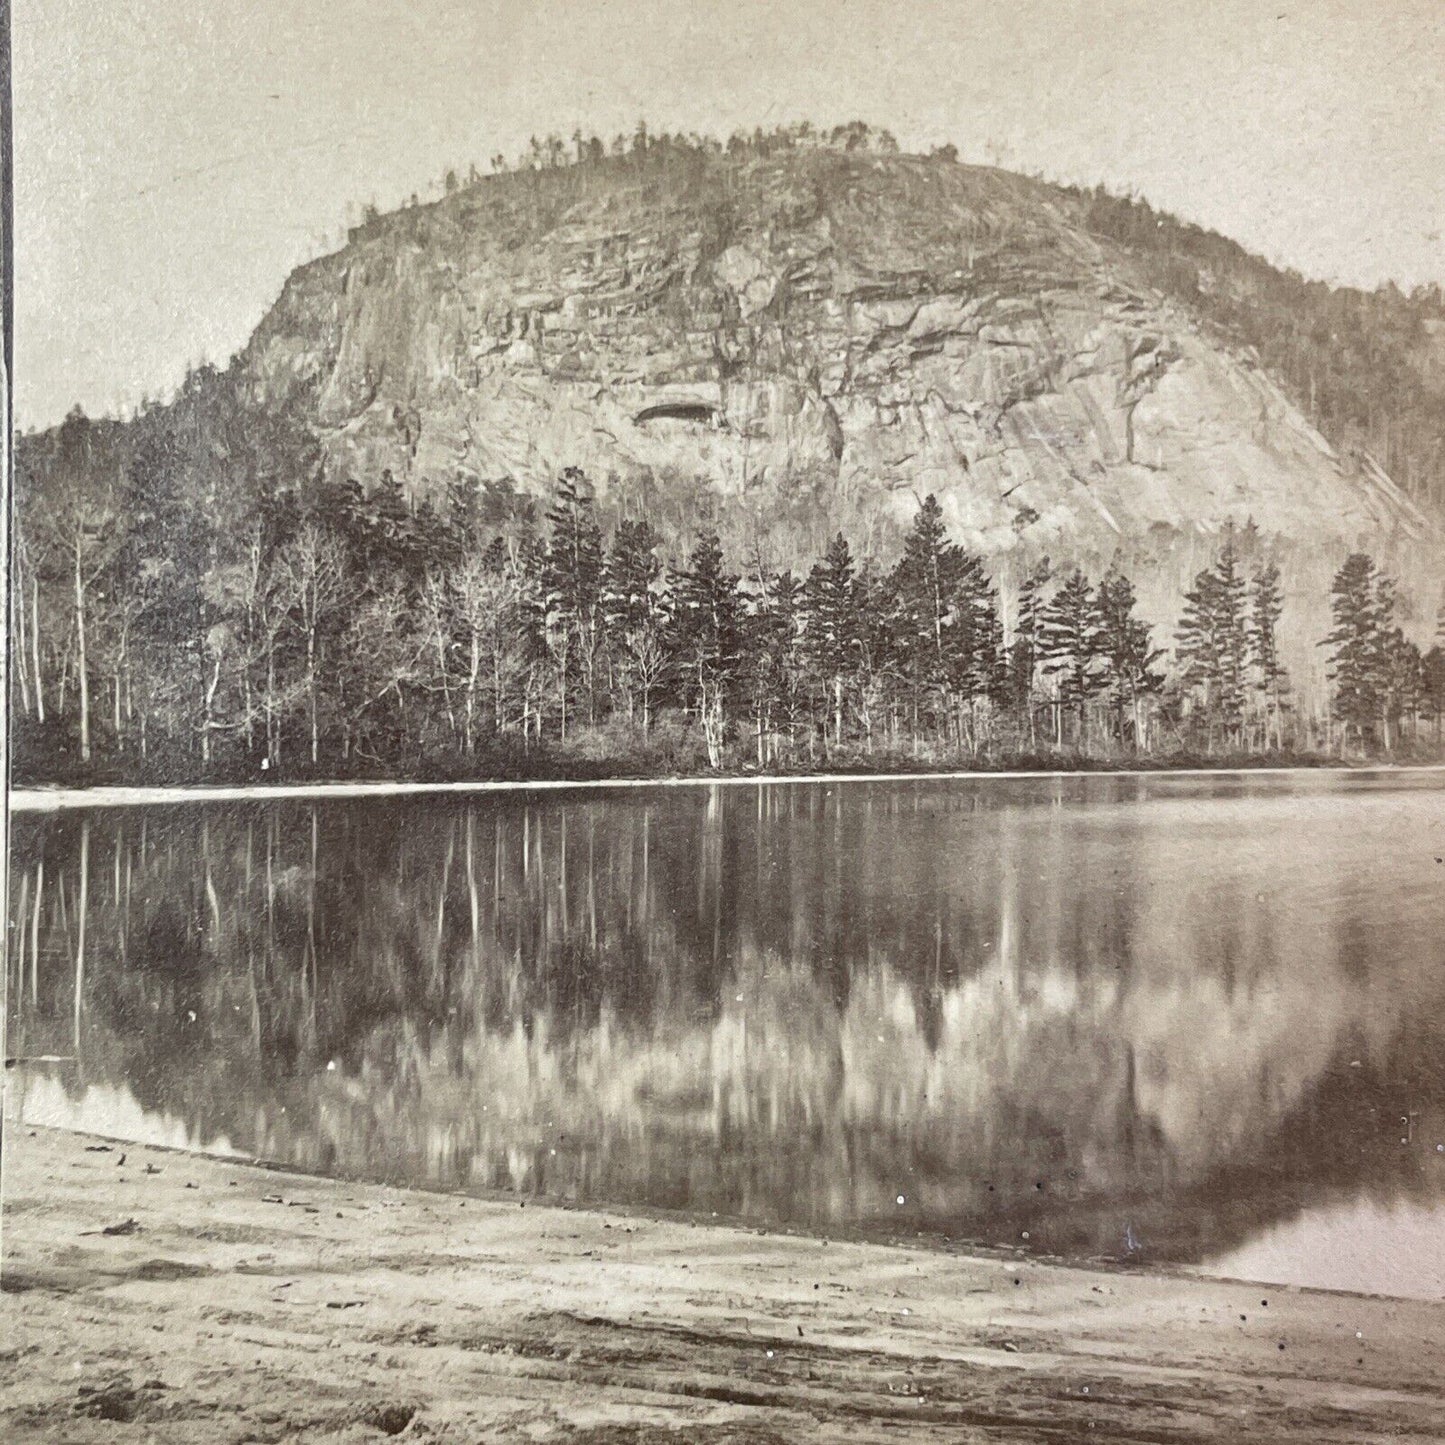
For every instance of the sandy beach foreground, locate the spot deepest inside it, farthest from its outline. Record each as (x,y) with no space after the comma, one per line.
(157,1296)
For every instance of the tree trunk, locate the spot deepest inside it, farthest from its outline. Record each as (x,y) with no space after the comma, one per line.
(122,679)
(562,694)
(207,715)
(35,926)
(712,727)
(22,669)
(82,908)
(81,671)
(311,675)
(35,647)
(446,681)
(473,672)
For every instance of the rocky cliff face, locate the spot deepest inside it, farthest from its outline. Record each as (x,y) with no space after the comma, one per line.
(792,345)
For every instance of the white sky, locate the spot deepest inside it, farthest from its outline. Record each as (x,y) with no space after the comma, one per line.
(174,159)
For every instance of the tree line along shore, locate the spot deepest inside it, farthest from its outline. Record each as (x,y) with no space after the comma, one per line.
(354,633)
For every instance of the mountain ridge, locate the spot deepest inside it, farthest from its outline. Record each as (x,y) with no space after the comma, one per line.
(556,329)
(784,341)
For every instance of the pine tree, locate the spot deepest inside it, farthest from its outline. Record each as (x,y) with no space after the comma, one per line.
(629,588)
(706,640)
(832,624)
(633,617)
(464,514)
(1266,605)
(1212,643)
(1432,677)
(1124,648)
(875,690)
(1432,686)
(1402,683)
(974,642)
(773,661)
(923,583)
(1362,605)
(1024,655)
(573,582)
(945,624)
(387,501)
(1069,649)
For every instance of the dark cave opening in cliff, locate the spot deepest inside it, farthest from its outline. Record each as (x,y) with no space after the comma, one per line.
(694,411)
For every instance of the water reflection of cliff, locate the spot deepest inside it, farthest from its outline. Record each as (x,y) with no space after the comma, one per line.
(1063,1009)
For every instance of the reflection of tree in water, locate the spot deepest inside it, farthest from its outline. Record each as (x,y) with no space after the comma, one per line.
(786,1002)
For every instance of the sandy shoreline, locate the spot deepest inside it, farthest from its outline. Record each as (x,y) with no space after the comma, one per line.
(247,1304)
(46,800)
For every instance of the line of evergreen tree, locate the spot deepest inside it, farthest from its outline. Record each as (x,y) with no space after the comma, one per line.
(341,629)
(1382,684)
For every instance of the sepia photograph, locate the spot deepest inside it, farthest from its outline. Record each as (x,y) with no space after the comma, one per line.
(724,721)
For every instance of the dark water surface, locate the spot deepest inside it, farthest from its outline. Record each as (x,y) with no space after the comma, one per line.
(1193,1020)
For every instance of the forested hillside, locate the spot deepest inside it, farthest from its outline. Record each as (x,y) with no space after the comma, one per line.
(1367,367)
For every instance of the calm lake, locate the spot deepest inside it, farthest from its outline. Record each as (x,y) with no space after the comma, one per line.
(1193,1020)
